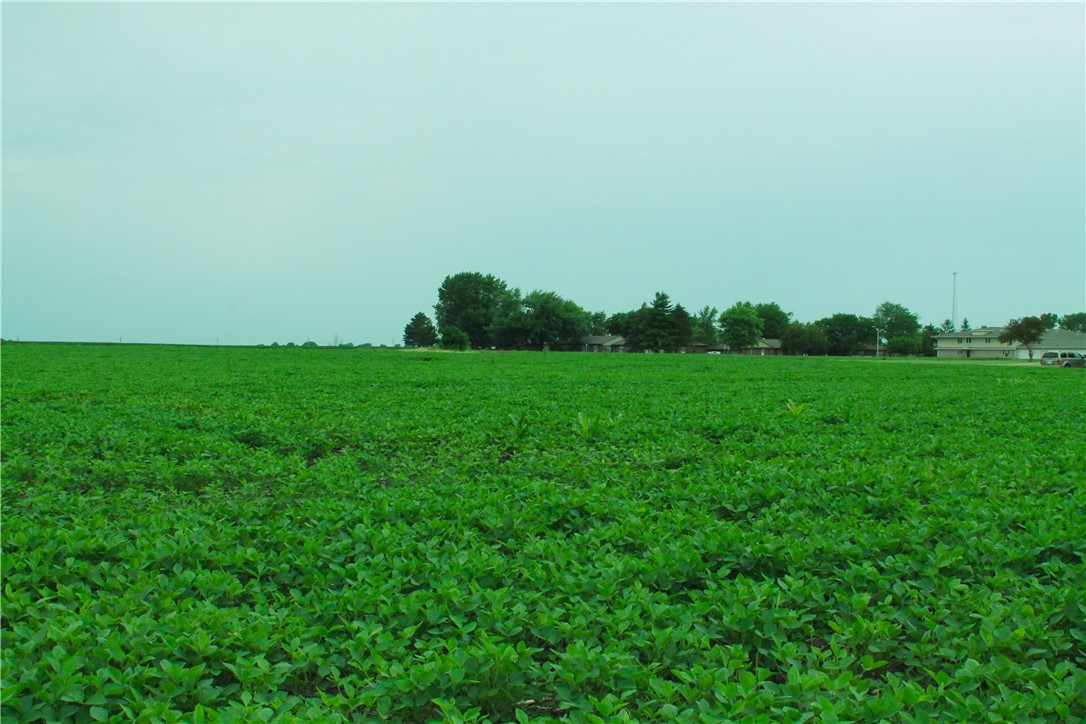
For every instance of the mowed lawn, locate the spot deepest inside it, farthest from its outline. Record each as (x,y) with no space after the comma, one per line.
(239,534)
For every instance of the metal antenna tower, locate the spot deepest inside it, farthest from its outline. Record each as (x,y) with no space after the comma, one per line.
(954,305)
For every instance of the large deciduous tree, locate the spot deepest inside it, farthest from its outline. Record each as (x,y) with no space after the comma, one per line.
(807,339)
(468,300)
(552,320)
(419,332)
(846,333)
(896,321)
(1076,322)
(509,326)
(740,326)
(597,323)
(538,320)
(619,323)
(705,331)
(774,319)
(1027,331)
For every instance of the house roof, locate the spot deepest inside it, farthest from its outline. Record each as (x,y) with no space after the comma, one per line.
(764,344)
(1064,339)
(605,340)
(978,332)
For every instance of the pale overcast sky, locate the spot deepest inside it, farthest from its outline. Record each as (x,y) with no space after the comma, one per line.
(281,172)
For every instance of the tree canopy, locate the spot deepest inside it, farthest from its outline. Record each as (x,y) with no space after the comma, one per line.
(705,330)
(847,333)
(740,326)
(419,332)
(656,325)
(468,301)
(538,320)
(895,320)
(489,314)
(801,338)
(1027,331)
(774,319)
(452,337)
(1075,322)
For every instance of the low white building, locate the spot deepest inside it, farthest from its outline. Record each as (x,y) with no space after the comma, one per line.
(983,343)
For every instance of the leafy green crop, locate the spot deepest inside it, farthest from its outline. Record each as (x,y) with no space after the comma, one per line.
(345,535)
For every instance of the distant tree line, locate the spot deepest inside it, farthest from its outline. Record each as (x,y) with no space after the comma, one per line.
(481,311)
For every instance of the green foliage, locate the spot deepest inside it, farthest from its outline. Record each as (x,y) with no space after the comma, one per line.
(455,339)
(705,331)
(419,332)
(597,323)
(847,334)
(927,339)
(468,300)
(808,339)
(740,326)
(619,324)
(1075,322)
(538,320)
(774,319)
(905,346)
(895,321)
(656,325)
(206,534)
(1027,331)
(683,327)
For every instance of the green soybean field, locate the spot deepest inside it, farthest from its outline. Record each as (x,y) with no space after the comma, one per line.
(338,535)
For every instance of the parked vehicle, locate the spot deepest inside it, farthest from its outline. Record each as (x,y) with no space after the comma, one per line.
(1063,359)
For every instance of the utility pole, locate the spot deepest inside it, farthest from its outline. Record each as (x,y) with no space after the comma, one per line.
(878,339)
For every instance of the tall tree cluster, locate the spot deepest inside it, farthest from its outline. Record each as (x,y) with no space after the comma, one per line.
(481,311)
(491,314)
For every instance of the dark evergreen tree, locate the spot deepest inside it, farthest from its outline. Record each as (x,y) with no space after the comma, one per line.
(657,333)
(419,332)
(683,326)
(927,340)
